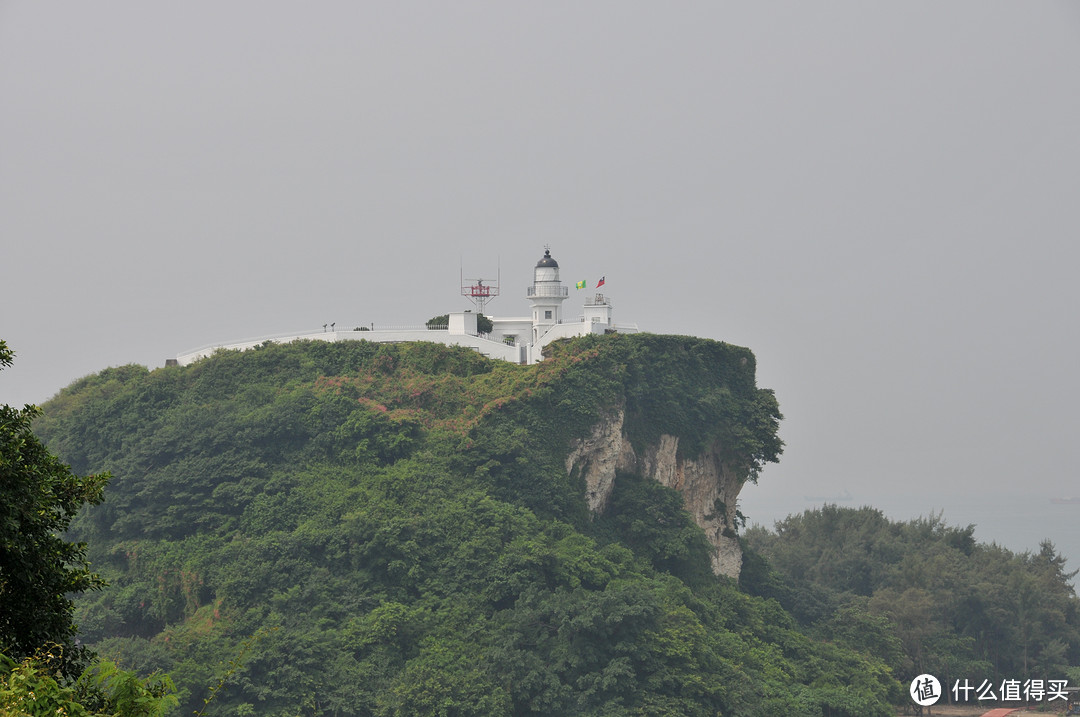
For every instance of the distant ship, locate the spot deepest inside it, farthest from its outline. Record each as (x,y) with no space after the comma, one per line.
(1071,500)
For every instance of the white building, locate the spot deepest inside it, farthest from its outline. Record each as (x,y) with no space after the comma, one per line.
(515,339)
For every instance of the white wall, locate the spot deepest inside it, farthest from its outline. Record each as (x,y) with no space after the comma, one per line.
(491,349)
(462,322)
(520,327)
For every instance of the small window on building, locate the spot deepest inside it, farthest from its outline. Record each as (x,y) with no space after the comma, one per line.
(547,314)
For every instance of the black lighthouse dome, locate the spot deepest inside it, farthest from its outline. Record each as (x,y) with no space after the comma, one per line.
(547,261)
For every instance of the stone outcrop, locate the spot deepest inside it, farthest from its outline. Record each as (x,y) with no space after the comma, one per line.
(709,489)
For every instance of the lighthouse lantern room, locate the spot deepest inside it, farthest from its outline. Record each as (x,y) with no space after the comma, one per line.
(546,296)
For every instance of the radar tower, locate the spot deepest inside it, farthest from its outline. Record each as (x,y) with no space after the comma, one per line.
(480,293)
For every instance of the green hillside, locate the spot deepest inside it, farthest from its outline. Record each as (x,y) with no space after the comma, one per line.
(369,529)
(924,596)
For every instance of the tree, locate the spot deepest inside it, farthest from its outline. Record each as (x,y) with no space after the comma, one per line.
(29,688)
(39,496)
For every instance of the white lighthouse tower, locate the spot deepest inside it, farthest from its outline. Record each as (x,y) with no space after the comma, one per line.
(520,339)
(546,296)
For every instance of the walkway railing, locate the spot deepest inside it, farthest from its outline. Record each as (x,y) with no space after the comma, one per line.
(547,291)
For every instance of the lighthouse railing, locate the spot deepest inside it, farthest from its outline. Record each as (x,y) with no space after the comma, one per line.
(547,291)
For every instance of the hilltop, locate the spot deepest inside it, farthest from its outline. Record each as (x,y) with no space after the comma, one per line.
(403,529)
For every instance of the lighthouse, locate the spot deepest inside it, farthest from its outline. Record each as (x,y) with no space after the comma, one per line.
(519,339)
(546,296)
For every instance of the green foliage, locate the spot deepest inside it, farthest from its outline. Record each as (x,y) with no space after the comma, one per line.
(110,690)
(924,596)
(30,689)
(701,391)
(231,668)
(649,518)
(398,524)
(484,325)
(39,496)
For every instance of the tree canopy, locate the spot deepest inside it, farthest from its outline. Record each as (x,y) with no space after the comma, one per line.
(391,530)
(40,664)
(923,595)
(39,569)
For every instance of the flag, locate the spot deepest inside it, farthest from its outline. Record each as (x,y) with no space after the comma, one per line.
(600,283)
(581,284)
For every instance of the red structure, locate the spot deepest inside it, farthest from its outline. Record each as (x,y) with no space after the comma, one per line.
(480,293)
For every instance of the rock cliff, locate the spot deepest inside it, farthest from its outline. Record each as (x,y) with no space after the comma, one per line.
(708,487)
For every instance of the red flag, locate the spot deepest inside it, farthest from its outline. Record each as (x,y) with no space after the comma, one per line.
(600,283)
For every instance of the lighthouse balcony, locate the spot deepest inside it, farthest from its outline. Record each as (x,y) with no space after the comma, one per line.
(547,291)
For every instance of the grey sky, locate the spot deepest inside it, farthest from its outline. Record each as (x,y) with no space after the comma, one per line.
(880,199)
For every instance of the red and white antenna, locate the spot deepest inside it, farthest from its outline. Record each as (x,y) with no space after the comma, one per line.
(480,293)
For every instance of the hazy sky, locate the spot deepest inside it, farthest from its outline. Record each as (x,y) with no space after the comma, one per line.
(880,199)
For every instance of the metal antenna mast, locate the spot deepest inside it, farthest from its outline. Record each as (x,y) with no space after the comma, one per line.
(480,293)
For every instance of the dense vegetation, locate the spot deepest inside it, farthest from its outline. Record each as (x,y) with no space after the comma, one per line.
(39,570)
(43,671)
(358,528)
(923,596)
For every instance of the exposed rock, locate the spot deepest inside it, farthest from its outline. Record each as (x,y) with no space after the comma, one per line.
(708,488)
(600,455)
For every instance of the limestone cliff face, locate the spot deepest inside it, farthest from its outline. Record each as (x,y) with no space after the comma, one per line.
(705,483)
